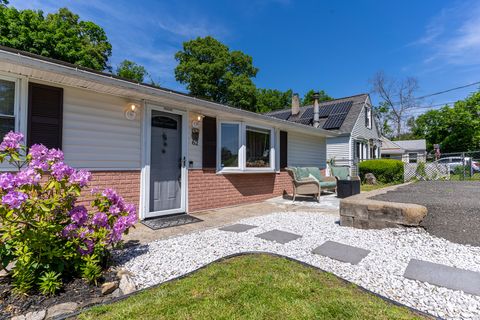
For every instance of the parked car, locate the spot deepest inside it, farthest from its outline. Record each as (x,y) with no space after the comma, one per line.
(458,162)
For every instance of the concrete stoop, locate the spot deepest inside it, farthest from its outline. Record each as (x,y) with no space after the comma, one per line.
(361,212)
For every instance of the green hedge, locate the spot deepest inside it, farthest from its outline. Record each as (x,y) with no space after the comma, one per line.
(385,170)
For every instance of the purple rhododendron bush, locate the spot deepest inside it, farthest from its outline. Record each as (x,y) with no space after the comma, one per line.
(43,231)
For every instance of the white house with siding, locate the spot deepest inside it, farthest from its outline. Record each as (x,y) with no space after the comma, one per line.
(350,118)
(167,151)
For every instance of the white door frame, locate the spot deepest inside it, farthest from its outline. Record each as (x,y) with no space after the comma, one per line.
(146,153)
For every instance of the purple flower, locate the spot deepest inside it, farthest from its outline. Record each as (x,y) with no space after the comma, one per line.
(79,215)
(114,209)
(61,170)
(111,195)
(67,231)
(14,199)
(7,181)
(82,177)
(87,248)
(11,141)
(94,190)
(100,219)
(55,155)
(38,153)
(27,176)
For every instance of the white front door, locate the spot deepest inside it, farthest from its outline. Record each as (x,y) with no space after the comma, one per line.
(166,175)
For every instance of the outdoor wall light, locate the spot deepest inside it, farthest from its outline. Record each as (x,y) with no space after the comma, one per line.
(132,110)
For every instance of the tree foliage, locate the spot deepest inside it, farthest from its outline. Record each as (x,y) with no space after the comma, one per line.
(131,70)
(308,97)
(455,128)
(61,35)
(272,99)
(212,71)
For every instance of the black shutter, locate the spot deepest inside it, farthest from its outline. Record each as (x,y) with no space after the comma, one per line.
(209,158)
(366,117)
(45,114)
(283,149)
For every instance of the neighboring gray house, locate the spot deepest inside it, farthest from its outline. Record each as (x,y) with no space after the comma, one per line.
(409,151)
(350,117)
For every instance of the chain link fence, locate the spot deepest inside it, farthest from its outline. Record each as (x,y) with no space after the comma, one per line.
(460,165)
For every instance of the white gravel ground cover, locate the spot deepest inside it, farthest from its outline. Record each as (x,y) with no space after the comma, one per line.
(381,271)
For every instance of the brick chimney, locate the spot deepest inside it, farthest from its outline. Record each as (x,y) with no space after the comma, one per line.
(316,110)
(295,104)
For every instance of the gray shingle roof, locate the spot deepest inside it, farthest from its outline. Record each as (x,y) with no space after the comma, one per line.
(305,115)
(412,144)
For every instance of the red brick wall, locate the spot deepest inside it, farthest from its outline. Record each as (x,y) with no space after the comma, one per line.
(208,190)
(126,183)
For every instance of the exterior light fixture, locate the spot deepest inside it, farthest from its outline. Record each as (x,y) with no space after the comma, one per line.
(132,110)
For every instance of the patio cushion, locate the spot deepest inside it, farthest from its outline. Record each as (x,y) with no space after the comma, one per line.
(302,173)
(328,184)
(315,172)
(340,172)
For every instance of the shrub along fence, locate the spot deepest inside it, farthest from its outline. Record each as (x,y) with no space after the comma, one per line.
(385,170)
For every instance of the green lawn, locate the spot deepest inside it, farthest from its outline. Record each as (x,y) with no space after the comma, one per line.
(253,287)
(370,187)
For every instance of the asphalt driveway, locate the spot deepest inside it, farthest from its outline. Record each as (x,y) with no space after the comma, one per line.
(453,207)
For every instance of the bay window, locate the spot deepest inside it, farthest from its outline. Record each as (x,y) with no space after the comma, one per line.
(245,148)
(7,106)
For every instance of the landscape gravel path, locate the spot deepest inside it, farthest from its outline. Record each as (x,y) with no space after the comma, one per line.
(453,207)
(381,271)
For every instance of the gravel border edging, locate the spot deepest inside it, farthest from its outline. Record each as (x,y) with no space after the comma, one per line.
(396,303)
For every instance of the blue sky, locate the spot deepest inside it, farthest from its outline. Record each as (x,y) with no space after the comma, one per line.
(336,46)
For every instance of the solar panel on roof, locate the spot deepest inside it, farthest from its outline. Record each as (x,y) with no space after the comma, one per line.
(335,121)
(282,115)
(305,121)
(324,111)
(307,113)
(338,115)
(342,107)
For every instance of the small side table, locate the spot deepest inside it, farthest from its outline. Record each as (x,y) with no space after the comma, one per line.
(347,188)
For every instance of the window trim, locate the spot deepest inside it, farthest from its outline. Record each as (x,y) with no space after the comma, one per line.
(242,150)
(368,117)
(16,102)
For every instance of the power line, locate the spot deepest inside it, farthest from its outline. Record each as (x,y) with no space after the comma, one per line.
(448,90)
(441,92)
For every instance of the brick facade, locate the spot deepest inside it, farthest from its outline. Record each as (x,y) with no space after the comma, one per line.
(208,190)
(126,183)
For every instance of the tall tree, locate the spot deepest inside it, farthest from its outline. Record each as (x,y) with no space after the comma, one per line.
(398,96)
(455,128)
(308,97)
(382,117)
(131,70)
(272,99)
(212,71)
(61,35)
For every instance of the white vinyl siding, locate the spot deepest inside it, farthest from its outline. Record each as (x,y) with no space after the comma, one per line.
(361,130)
(96,134)
(338,148)
(306,151)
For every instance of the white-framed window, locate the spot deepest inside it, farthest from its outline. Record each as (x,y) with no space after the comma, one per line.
(245,147)
(9,101)
(412,157)
(368,117)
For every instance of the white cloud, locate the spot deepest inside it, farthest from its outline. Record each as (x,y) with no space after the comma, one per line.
(453,36)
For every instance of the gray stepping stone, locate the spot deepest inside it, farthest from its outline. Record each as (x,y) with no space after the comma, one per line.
(239,227)
(444,276)
(278,236)
(341,252)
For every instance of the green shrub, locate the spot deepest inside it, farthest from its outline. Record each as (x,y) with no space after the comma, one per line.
(48,236)
(385,170)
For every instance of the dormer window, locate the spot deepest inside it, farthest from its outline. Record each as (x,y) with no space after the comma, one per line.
(368,117)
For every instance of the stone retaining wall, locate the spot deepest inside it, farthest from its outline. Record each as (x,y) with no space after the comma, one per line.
(364,213)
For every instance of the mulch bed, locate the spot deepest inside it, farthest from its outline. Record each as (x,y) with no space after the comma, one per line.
(77,290)
(453,207)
